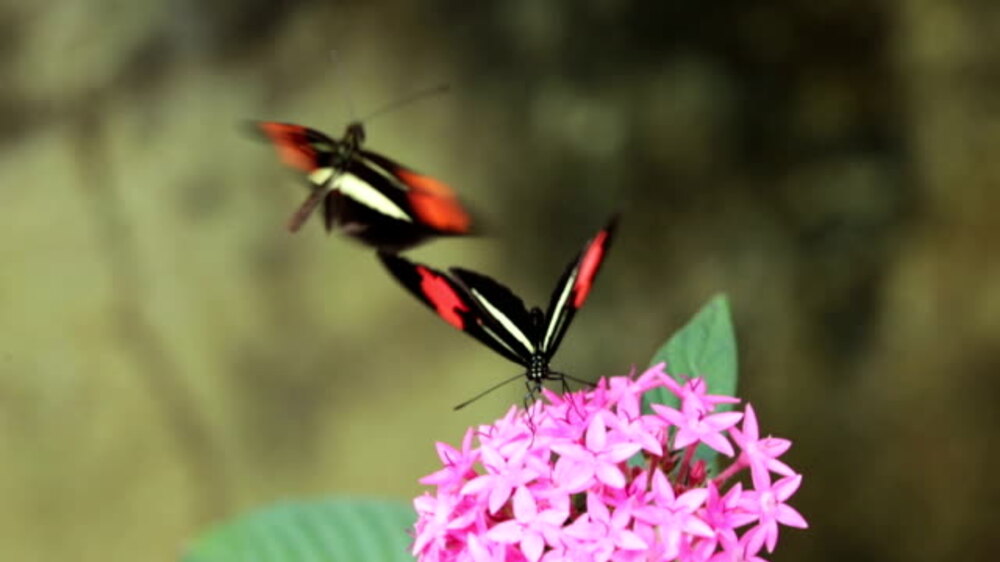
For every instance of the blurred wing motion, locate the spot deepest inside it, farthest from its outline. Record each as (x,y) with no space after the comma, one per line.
(364,194)
(299,147)
(308,151)
(494,315)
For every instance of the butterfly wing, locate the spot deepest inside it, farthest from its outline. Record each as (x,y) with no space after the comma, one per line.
(505,311)
(429,202)
(308,151)
(367,195)
(574,287)
(451,302)
(371,204)
(299,147)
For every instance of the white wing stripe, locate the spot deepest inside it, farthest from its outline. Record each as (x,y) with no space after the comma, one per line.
(362,192)
(320,176)
(387,174)
(557,312)
(503,343)
(504,321)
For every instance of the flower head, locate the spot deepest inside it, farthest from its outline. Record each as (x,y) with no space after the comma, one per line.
(589,476)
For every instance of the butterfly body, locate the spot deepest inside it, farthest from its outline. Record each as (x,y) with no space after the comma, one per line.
(491,313)
(364,194)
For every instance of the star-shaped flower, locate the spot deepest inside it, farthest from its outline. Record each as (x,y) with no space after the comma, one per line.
(694,426)
(578,466)
(457,464)
(673,515)
(761,455)
(531,528)
(769,507)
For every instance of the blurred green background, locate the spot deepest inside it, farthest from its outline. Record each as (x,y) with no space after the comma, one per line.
(171,356)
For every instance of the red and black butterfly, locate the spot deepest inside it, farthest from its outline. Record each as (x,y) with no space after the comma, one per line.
(491,313)
(364,194)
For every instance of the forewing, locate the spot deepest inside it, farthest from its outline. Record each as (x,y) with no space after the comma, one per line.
(431,202)
(574,287)
(308,151)
(302,148)
(504,309)
(449,300)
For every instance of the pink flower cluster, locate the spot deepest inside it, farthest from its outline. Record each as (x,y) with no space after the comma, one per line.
(556,483)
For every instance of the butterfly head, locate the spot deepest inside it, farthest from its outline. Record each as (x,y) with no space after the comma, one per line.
(354,136)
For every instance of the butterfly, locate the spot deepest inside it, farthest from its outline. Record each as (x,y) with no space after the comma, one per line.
(491,313)
(364,194)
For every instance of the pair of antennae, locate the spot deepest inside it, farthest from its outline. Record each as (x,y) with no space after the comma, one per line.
(415,96)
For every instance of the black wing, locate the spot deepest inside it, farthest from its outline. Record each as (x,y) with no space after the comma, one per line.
(505,311)
(451,302)
(574,287)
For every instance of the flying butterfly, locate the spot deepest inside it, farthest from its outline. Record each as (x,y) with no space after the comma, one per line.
(364,194)
(494,315)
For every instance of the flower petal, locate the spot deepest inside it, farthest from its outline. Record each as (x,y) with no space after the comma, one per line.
(507,532)
(788,516)
(532,546)
(630,541)
(610,475)
(597,434)
(499,495)
(621,451)
(784,488)
(525,508)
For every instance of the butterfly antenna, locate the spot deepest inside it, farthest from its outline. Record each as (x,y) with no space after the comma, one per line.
(418,95)
(344,79)
(487,391)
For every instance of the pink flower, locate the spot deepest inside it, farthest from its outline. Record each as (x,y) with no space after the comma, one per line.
(768,504)
(554,484)
(599,458)
(602,533)
(531,528)
(457,464)
(694,395)
(674,516)
(695,426)
(723,514)
(503,475)
(760,454)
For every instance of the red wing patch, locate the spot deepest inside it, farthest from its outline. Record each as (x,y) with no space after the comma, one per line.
(434,203)
(446,301)
(292,144)
(589,265)
(424,184)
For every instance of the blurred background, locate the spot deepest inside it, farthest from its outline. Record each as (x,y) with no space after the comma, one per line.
(171,356)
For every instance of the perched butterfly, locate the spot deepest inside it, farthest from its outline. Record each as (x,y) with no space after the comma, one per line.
(364,194)
(491,313)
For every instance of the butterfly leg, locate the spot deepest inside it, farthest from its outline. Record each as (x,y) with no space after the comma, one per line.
(534,388)
(565,389)
(307,207)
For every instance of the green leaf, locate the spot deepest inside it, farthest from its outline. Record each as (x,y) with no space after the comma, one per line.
(331,530)
(705,347)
